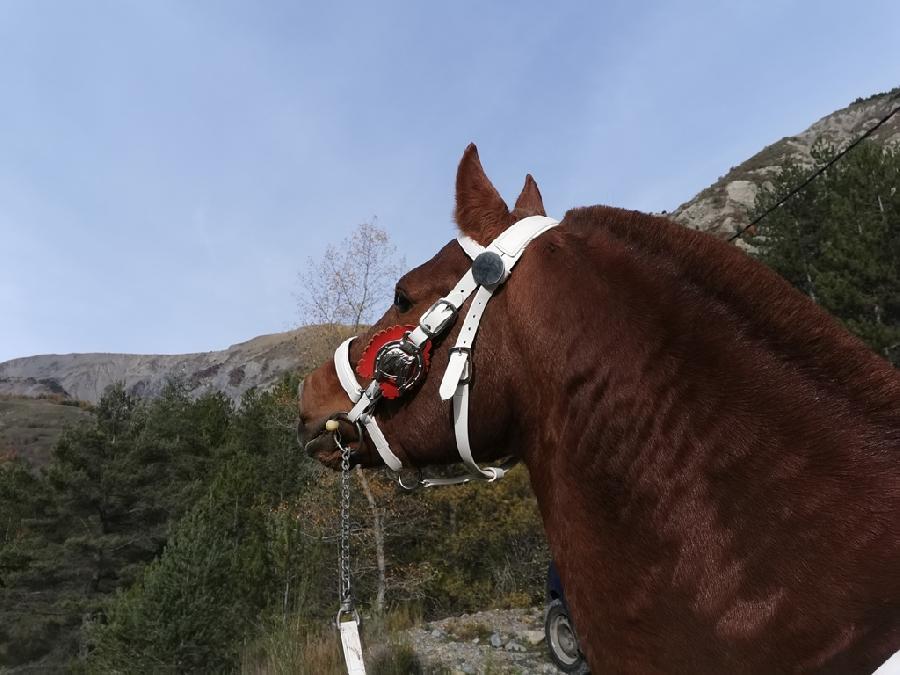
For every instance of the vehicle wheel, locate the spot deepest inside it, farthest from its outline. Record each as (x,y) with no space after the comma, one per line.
(561,640)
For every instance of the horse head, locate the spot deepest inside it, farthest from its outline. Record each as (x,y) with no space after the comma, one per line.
(419,424)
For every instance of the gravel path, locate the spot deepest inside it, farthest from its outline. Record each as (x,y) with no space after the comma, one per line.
(494,641)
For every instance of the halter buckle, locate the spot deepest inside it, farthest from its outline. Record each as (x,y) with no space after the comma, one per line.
(444,324)
(466,377)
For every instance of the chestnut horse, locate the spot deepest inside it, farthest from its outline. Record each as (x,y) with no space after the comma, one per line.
(716,460)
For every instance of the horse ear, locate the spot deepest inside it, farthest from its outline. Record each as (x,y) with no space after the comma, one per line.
(480,211)
(529,202)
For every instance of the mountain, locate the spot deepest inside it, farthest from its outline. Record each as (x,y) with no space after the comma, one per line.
(256,363)
(722,207)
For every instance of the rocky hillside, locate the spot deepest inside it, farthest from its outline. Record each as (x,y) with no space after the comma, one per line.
(255,363)
(30,427)
(722,207)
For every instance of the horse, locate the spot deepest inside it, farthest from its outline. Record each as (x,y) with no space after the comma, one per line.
(716,460)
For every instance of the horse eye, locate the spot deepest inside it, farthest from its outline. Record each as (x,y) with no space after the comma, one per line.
(401,302)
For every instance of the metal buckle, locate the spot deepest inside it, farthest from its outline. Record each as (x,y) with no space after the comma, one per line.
(467,379)
(347,608)
(443,325)
(373,393)
(411,487)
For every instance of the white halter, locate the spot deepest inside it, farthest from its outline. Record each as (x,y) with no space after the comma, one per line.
(507,248)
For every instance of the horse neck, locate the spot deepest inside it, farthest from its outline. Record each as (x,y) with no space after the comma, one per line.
(626,365)
(657,421)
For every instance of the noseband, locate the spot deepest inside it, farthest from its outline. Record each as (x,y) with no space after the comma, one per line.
(398,358)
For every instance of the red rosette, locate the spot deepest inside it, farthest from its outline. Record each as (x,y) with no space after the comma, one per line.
(365,368)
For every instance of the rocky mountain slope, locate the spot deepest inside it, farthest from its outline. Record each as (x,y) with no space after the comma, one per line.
(722,207)
(255,363)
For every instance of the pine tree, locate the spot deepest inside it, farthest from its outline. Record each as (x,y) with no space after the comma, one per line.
(34,620)
(232,559)
(101,512)
(838,240)
(193,605)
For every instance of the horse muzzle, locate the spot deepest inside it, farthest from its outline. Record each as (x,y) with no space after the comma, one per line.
(322,440)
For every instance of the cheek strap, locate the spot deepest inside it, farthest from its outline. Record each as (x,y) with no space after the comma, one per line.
(363,401)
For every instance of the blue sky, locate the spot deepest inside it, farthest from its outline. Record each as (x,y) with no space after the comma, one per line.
(166,168)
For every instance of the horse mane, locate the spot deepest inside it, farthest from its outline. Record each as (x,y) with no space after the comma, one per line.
(766,307)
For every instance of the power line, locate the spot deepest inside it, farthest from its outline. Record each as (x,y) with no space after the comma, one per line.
(815,174)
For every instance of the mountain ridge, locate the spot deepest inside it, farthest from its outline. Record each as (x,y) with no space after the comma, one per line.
(257,362)
(722,208)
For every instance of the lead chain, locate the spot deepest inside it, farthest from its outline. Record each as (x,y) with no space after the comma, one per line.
(344,560)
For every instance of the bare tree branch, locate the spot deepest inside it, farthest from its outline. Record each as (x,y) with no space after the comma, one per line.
(348,287)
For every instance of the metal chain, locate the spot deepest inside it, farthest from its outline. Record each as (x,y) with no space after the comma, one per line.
(344,559)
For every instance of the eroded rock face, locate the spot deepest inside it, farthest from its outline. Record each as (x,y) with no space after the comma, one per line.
(722,208)
(31,387)
(256,363)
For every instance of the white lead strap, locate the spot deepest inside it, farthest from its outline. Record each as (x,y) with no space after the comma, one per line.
(352,647)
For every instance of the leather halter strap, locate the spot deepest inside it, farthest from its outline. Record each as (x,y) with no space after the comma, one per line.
(364,400)
(508,248)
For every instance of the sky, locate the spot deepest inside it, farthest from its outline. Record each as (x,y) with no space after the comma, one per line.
(167,168)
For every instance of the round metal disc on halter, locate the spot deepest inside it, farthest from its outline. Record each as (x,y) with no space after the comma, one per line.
(488,269)
(399,362)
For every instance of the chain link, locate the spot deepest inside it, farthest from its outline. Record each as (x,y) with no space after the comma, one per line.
(344,556)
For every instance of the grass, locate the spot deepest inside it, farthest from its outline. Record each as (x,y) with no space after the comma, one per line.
(30,427)
(296,646)
(464,631)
